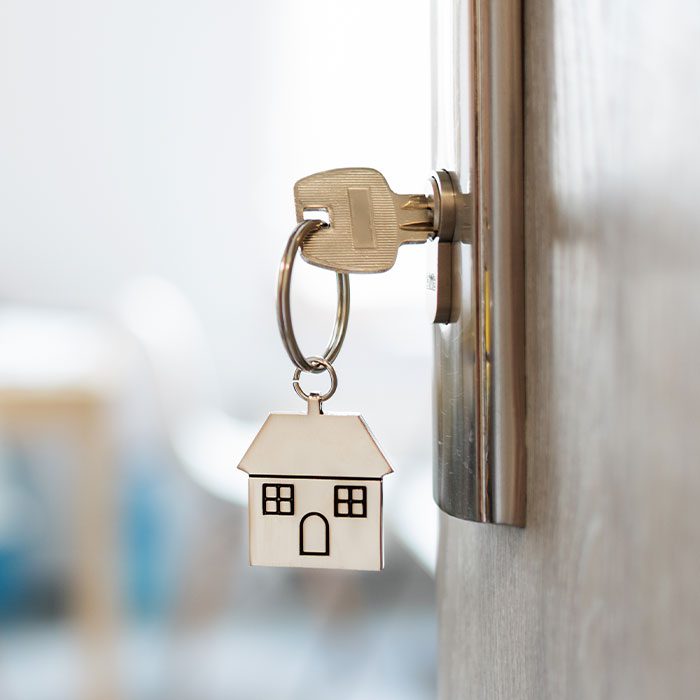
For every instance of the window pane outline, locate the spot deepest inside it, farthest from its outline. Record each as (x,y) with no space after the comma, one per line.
(347,497)
(274,496)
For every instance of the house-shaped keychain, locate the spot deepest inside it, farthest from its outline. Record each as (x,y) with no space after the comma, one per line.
(315,492)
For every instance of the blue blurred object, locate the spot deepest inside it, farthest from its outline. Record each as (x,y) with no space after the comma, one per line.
(18,504)
(146,540)
(13,578)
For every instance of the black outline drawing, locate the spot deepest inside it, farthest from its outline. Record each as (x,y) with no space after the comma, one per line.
(350,501)
(327,550)
(277,499)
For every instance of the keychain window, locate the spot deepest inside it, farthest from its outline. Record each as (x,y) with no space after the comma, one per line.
(350,502)
(278,499)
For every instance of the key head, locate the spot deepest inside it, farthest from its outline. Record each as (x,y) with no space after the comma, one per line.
(363,235)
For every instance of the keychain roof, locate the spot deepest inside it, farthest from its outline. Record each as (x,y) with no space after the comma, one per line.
(298,444)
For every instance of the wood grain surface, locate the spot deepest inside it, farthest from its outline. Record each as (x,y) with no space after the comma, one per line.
(599,597)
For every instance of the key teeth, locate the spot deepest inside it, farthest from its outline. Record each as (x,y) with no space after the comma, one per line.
(418,201)
(417,226)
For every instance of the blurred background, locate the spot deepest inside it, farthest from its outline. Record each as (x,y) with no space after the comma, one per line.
(148,152)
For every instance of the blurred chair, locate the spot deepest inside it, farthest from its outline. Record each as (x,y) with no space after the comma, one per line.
(63,371)
(60,370)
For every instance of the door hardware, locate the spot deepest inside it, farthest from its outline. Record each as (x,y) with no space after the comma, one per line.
(368,222)
(364,224)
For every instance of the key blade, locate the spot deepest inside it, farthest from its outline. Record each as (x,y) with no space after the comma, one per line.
(415,218)
(363,235)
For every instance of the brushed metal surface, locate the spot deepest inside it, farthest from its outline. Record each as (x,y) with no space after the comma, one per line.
(479,360)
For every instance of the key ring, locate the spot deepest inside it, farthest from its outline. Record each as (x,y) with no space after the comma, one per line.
(284,315)
(321,364)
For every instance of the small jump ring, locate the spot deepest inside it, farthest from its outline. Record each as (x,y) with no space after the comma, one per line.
(320,364)
(284,315)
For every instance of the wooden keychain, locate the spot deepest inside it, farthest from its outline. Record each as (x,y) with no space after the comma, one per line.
(315,479)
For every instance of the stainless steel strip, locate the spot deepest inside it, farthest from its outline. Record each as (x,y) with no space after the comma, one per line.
(480,359)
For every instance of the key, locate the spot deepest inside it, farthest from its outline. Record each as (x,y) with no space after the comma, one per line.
(367,221)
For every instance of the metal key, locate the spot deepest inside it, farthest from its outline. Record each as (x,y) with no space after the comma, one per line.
(368,222)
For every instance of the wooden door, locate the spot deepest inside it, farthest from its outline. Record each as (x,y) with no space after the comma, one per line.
(599,596)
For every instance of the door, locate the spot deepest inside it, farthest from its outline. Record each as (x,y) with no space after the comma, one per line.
(599,595)
(314,537)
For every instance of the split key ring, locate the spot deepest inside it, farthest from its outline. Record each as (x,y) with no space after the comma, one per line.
(284,315)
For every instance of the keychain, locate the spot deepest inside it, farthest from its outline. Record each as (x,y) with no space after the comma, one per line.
(315,479)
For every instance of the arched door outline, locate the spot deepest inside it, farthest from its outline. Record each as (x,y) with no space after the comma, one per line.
(326,549)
